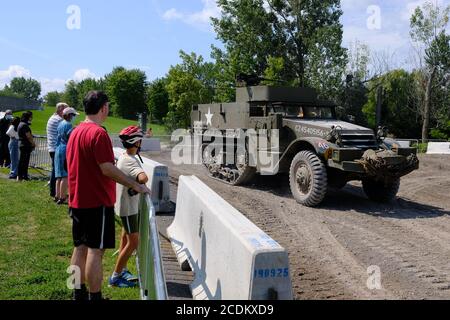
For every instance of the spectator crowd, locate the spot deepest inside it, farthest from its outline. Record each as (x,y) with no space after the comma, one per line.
(85,177)
(16,144)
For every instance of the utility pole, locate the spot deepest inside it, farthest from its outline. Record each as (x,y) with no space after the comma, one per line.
(143,121)
(379,106)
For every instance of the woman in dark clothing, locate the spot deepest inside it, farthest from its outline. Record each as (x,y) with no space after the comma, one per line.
(5,122)
(26,145)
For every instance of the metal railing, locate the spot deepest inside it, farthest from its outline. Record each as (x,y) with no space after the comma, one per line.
(417,141)
(40,157)
(149,263)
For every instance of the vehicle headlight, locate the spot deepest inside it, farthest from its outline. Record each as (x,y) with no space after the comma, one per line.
(336,155)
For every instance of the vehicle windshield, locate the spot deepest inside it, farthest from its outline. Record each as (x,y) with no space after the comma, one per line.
(302,112)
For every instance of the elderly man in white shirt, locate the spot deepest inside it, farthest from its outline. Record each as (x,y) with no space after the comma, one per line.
(52,134)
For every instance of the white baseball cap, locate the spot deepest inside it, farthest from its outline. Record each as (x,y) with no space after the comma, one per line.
(68,111)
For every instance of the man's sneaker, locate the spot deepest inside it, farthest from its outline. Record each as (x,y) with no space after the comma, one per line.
(127,275)
(120,282)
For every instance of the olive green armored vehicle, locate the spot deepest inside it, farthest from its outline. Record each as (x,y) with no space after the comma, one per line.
(300,135)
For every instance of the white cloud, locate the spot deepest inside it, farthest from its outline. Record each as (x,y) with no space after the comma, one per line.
(210,10)
(200,19)
(19,71)
(57,84)
(411,6)
(375,39)
(172,14)
(12,72)
(83,74)
(47,84)
(356,4)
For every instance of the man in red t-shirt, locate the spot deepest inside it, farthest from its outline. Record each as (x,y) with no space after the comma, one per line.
(92,194)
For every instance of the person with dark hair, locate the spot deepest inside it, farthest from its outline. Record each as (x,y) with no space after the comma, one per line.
(94,102)
(92,194)
(5,122)
(14,147)
(26,145)
(63,132)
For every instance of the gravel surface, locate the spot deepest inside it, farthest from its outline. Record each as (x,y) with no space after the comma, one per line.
(331,247)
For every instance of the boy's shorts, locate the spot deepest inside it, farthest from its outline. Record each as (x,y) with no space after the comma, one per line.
(94,228)
(130,224)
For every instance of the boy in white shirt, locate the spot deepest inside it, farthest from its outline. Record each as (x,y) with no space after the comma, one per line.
(127,206)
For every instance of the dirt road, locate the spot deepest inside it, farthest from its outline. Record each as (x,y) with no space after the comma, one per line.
(331,247)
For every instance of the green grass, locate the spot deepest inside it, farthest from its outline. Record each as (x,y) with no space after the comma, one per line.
(36,246)
(114,125)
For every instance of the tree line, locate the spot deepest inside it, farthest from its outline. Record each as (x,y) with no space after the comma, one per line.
(299,43)
(125,88)
(23,88)
(295,43)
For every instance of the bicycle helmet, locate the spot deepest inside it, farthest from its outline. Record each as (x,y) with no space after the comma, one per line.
(131,135)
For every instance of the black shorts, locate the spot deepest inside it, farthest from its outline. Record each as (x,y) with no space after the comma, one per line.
(94,228)
(130,224)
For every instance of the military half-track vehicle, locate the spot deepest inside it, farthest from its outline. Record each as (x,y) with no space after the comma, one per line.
(316,149)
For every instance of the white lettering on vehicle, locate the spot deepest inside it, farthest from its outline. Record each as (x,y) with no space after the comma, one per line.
(310,131)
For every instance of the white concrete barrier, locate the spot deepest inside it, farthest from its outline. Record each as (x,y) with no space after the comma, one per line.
(150,145)
(438,148)
(231,257)
(404,143)
(158,182)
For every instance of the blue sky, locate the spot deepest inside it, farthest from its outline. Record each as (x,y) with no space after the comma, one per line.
(36,42)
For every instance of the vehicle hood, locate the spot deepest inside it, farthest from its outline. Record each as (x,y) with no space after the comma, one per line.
(327,124)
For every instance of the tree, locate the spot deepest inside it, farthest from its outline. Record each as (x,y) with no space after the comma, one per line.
(52,98)
(227,67)
(438,55)
(358,61)
(7,92)
(354,95)
(274,71)
(183,91)
(27,88)
(158,99)
(71,95)
(307,35)
(399,103)
(86,85)
(428,32)
(127,92)
(188,83)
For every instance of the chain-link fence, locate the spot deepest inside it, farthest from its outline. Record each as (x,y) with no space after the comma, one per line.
(18,104)
(40,157)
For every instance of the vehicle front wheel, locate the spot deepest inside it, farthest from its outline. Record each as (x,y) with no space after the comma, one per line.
(379,191)
(308,179)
